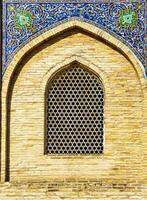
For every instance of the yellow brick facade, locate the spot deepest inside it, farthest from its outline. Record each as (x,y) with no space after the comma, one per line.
(118,173)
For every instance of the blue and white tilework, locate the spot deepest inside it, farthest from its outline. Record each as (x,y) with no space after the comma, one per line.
(24,20)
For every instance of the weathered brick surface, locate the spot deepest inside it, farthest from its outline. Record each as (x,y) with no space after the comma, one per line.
(119,172)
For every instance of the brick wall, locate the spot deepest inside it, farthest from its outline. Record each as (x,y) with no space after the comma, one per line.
(116,174)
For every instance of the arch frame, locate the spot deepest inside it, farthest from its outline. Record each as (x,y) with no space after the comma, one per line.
(87,65)
(59,68)
(10,72)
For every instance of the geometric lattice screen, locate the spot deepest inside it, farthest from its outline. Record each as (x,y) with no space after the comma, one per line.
(74,112)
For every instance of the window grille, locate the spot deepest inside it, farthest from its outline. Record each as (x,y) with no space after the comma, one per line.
(74,112)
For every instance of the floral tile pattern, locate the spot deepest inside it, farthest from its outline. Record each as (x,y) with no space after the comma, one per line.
(26,20)
(23,19)
(128,18)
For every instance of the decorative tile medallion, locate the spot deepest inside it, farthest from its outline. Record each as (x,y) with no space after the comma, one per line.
(24,21)
(128,18)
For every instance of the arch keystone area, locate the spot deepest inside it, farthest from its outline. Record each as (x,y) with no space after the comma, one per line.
(81,60)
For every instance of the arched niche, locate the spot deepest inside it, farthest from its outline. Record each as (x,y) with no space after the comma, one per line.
(24,56)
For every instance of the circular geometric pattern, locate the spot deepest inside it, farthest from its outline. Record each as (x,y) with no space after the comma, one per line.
(75,101)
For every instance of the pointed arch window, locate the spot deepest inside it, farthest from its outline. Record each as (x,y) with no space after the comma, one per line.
(74,112)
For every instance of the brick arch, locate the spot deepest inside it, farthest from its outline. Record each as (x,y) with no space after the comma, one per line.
(85,63)
(60,72)
(12,69)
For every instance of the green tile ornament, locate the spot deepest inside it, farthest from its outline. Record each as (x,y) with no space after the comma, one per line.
(128,18)
(23,19)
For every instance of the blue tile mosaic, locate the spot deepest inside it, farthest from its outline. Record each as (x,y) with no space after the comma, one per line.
(26,20)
